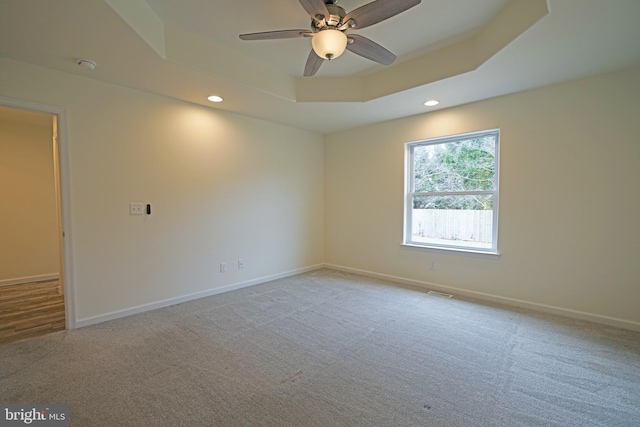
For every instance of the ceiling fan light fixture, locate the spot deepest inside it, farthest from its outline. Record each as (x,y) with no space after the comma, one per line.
(329,43)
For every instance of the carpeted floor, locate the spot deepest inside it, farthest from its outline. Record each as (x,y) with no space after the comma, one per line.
(332,349)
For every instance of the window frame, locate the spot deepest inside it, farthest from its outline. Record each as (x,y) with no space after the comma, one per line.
(409,192)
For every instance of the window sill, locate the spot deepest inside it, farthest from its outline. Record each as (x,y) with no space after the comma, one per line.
(450,249)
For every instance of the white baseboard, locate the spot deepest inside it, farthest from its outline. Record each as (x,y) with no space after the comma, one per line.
(596,318)
(178,300)
(29,279)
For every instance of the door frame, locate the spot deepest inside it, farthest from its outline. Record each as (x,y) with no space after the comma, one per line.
(65,196)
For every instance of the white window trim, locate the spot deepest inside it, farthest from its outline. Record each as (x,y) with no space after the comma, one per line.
(409,193)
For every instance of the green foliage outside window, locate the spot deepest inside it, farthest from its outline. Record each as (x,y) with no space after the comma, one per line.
(460,166)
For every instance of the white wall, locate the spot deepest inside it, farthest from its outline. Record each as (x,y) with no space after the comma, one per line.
(569,228)
(222,187)
(28,212)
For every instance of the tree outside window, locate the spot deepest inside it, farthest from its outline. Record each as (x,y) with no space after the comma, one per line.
(452,192)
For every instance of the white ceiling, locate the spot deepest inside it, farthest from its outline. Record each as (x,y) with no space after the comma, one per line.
(189,49)
(407,34)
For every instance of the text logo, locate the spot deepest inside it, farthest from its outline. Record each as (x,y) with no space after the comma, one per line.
(34,415)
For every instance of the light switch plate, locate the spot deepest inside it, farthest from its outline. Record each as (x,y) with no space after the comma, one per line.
(135,208)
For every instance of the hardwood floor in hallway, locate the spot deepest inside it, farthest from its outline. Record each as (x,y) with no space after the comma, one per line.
(31,309)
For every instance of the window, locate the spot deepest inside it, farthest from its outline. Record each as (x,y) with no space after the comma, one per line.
(452,192)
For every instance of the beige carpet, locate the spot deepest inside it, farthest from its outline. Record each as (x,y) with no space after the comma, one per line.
(332,349)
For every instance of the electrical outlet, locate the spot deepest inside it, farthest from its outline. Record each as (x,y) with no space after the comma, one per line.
(240,264)
(223,267)
(432,265)
(135,208)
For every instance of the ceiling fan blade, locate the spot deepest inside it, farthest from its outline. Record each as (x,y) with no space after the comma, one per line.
(315,8)
(271,35)
(369,49)
(313,64)
(376,11)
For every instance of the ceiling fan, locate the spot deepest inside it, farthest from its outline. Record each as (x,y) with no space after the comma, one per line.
(328,25)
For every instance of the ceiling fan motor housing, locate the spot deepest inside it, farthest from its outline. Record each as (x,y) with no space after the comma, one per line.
(336,14)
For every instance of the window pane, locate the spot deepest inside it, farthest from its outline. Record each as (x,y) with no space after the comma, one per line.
(453,220)
(467,165)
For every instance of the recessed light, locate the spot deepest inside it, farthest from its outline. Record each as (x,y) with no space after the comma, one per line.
(431,103)
(215,98)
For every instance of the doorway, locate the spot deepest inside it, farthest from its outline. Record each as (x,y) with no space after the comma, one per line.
(32,285)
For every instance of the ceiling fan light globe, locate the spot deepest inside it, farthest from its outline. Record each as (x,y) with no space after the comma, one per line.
(329,44)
